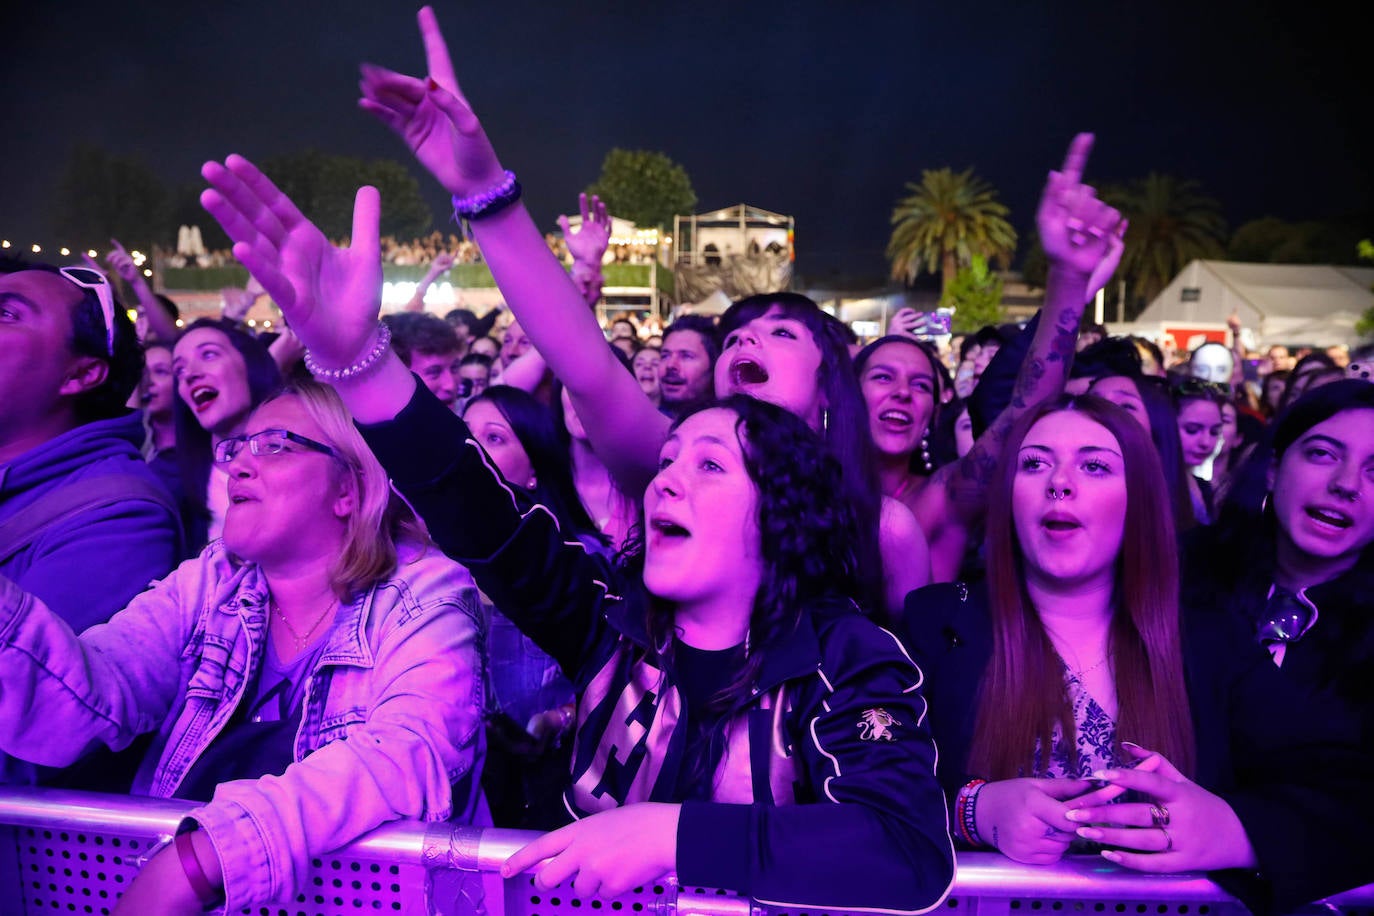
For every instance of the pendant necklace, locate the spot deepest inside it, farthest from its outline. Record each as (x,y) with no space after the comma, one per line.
(300,638)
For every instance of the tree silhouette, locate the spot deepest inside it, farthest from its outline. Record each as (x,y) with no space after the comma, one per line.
(947,219)
(1172,222)
(645,187)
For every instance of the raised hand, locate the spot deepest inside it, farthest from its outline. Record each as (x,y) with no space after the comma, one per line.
(1026,819)
(441,263)
(237,302)
(607,854)
(1079,232)
(1181,827)
(330,296)
(433,117)
(123,264)
(588,245)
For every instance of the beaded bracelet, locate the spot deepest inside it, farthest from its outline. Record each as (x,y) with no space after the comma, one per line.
(195,874)
(485,203)
(362,366)
(965,812)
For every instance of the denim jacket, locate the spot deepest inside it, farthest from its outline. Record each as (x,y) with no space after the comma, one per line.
(390,721)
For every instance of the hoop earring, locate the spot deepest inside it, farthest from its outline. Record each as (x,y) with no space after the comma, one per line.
(925,451)
(1264,503)
(825,420)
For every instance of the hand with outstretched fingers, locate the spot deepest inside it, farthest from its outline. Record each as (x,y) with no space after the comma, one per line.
(330,296)
(605,855)
(589,243)
(433,117)
(1079,232)
(1026,819)
(1181,827)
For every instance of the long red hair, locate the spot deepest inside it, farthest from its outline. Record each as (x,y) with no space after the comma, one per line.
(1022,696)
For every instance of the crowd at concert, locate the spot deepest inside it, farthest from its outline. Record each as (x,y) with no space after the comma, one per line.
(704,604)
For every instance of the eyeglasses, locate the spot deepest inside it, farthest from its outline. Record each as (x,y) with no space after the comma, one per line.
(267,442)
(86,278)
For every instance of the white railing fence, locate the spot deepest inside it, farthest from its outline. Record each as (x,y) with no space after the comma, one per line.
(74,852)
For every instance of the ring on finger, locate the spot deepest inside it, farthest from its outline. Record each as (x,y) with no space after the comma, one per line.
(1168,840)
(1159,815)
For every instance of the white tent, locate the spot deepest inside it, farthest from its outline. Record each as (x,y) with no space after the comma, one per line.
(1295,304)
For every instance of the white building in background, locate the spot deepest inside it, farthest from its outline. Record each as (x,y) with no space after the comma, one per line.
(736,251)
(1291,304)
(710,238)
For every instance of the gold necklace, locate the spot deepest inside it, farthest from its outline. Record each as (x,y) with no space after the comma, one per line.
(1093,667)
(298,638)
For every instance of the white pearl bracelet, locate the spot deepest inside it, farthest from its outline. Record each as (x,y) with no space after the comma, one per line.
(369,360)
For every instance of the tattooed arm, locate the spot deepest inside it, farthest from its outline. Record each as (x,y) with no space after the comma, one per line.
(1082,239)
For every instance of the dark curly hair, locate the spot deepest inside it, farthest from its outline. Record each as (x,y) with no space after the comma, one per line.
(808,533)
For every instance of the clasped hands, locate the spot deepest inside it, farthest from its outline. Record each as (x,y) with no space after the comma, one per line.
(1177,826)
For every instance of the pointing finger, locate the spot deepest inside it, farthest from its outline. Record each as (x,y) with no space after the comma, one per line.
(1076,160)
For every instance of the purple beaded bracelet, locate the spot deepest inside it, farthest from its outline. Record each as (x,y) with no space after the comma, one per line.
(492,200)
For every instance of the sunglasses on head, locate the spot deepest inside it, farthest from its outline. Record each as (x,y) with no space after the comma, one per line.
(86,278)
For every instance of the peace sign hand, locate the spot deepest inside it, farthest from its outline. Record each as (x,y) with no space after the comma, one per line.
(433,117)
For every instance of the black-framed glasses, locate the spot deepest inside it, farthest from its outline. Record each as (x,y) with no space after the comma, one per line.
(87,278)
(267,442)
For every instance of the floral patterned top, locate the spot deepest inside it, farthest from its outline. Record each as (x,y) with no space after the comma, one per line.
(1094,735)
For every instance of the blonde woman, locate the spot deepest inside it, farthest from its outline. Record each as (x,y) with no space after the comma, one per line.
(322,615)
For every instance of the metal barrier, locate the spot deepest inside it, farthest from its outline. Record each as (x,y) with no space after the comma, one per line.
(74,852)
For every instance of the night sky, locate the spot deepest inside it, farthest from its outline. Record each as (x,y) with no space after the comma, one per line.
(820,110)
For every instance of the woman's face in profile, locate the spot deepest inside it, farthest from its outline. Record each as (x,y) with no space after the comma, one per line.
(1069,502)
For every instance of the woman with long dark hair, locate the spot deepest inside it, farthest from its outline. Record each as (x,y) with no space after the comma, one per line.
(221,374)
(1074,665)
(766,709)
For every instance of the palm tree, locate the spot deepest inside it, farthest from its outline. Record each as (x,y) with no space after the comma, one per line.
(947,219)
(1172,222)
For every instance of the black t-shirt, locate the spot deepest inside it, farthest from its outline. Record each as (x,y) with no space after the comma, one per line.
(700,675)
